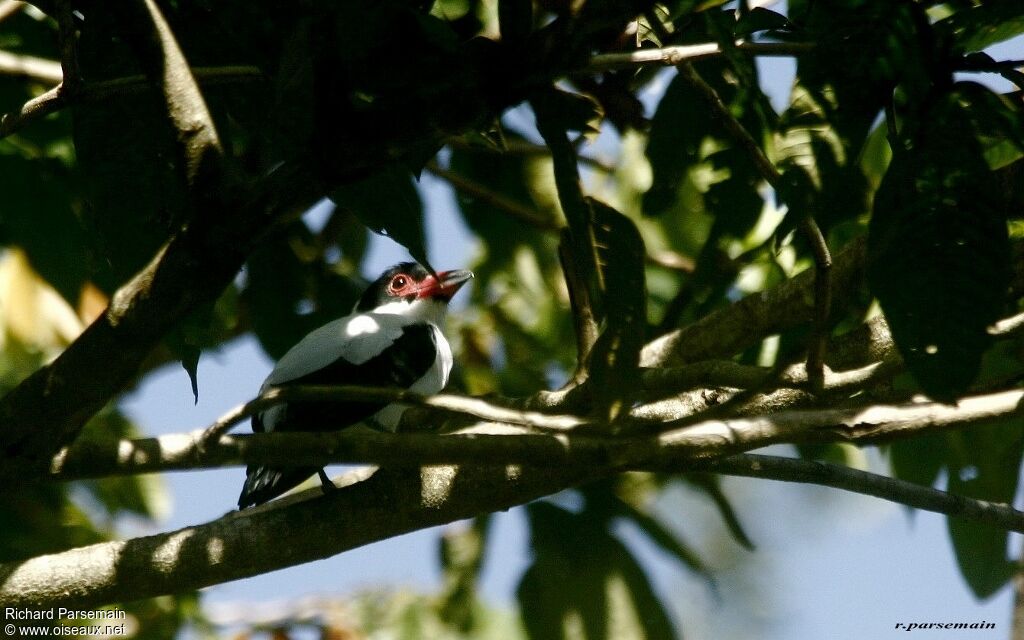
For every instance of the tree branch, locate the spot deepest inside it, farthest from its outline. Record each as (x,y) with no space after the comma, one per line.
(56,99)
(41,69)
(857,481)
(296,530)
(676,55)
(726,373)
(734,328)
(278,535)
(491,444)
(475,407)
(9,8)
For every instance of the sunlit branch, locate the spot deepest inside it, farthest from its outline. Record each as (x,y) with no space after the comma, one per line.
(726,373)
(13,64)
(475,407)
(491,444)
(732,329)
(9,8)
(676,55)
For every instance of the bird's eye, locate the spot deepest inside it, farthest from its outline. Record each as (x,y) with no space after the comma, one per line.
(399,282)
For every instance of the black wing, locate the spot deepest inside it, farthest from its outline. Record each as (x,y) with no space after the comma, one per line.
(400,365)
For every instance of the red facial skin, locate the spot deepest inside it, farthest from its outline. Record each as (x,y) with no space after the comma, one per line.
(430,287)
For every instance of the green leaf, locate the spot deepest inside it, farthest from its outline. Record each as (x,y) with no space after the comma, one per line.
(673,143)
(38,217)
(587,585)
(848,91)
(389,204)
(986,466)
(190,363)
(711,485)
(616,354)
(659,534)
(919,460)
(289,291)
(981,26)
(462,552)
(516,177)
(938,250)
(684,134)
(573,111)
(128,157)
(760,19)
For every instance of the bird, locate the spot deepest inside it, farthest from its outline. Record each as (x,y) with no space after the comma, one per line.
(392,338)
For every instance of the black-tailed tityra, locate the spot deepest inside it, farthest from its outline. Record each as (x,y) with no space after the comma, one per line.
(392,338)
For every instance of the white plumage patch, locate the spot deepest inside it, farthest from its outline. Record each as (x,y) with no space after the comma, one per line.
(357,338)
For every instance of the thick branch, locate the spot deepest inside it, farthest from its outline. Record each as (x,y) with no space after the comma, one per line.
(259,540)
(726,373)
(732,329)
(46,411)
(56,99)
(201,149)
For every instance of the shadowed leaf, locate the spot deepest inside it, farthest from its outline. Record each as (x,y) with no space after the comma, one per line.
(938,250)
(389,204)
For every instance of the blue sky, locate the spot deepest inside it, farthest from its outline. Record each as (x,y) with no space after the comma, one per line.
(828,564)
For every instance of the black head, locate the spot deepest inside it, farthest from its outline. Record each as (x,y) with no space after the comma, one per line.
(409,282)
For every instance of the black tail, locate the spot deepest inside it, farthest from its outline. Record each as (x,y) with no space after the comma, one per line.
(266,483)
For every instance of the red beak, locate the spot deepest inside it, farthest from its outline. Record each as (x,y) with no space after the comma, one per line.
(444,285)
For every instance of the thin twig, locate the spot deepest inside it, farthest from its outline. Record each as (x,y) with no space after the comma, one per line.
(808,227)
(473,189)
(863,482)
(524,148)
(584,321)
(676,55)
